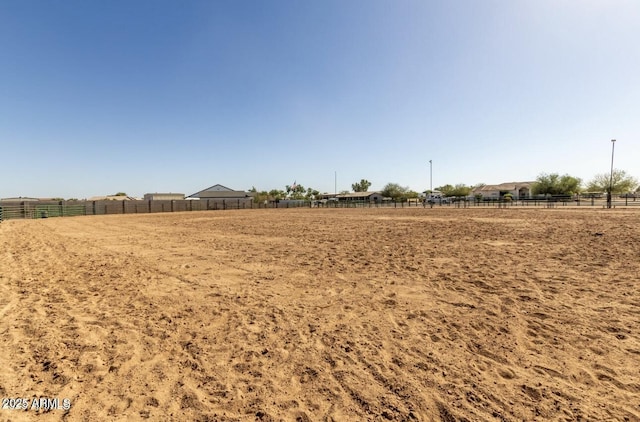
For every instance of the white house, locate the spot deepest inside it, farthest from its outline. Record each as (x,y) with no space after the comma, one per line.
(518,190)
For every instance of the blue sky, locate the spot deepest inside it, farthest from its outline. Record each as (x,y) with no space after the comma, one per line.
(98,97)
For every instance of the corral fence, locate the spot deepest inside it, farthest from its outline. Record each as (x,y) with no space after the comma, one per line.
(497,203)
(42,209)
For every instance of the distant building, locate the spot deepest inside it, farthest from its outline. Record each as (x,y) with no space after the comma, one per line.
(518,190)
(112,198)
(222,193)
(163,196)
(221,197)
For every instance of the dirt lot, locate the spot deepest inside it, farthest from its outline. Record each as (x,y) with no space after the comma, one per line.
(339,314)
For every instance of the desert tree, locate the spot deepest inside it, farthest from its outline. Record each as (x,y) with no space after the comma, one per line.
(311,194)
(277,194)
(394,191)
(410,194)
(362,186)
(458,190)
(295,191)
(554,184)
(621,182)
(259,196)
(445,189)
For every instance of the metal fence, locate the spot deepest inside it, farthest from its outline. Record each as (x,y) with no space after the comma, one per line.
(29,209)
(41,211)
(32,209)
(539,203)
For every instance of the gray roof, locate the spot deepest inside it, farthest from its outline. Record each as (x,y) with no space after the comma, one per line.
(357,194)
(222,192)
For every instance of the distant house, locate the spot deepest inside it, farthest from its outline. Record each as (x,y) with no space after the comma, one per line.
(354,196)
(163,196)
(518,190)
(220,192)
(112,198)
(223,195)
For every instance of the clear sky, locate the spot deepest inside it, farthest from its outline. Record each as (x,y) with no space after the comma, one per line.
(98,97)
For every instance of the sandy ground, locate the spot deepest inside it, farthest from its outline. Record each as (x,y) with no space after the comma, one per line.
(337,315)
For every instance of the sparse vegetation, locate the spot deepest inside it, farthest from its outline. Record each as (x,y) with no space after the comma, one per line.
(395,191)
(362,186)
(554,184)
(622,182)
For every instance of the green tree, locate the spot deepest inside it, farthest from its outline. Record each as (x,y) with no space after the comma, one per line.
(621,182)
(277,194)
(394,191)
(120,194)
(295,191)
(458,190)
(362,186)
(445,190)
(554,184)
(461,190)
(410,194)
(311,194)
(259,197)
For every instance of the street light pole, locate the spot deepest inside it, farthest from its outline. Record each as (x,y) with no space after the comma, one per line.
(610,194)
(431,176)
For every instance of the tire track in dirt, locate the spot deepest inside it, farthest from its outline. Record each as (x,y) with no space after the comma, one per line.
(293,315)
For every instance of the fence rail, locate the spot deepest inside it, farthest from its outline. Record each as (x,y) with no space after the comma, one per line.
(30,210)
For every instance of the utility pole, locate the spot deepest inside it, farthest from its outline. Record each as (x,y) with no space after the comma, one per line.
(610,193)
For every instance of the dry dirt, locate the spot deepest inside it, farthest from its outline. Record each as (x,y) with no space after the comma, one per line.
(324,315)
